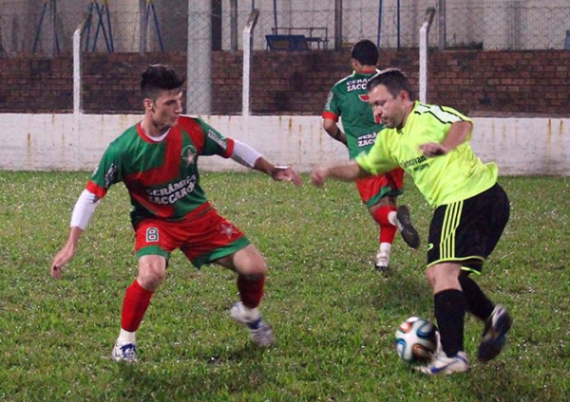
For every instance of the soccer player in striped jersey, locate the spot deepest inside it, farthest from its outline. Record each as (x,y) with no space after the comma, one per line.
(471,209)
(157,160)
(348,101)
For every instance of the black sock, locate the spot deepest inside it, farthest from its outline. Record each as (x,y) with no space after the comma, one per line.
(478,303)
(449,306)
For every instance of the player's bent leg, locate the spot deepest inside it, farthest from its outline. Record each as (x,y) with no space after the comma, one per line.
(478,303)
(395,181)
(152,271)
(384,213)
(449,309)
(248,262)
(251,269)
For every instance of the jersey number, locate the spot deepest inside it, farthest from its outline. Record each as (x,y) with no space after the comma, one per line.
(151,235)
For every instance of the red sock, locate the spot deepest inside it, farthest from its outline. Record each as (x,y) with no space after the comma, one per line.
(135,303)
(250,291)
(387,230)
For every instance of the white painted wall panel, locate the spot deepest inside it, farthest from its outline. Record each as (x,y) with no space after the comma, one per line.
(520,146)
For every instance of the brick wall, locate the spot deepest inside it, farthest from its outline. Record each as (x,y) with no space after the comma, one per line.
(474,82)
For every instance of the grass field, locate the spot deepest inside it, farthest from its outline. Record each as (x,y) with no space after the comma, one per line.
(334,316)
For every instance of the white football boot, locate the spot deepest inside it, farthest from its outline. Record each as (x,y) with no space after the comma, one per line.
(260,332)
(442,364)
(125,353)
(382,262)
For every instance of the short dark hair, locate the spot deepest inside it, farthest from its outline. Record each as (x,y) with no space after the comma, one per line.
(157,78)
(365,52)
(393,79)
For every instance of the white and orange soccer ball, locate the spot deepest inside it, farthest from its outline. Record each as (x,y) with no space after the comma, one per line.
(416,339)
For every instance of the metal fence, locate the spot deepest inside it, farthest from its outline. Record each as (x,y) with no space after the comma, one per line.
(508,25)
(46,26)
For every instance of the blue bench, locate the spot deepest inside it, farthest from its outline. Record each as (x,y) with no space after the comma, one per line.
(287,42)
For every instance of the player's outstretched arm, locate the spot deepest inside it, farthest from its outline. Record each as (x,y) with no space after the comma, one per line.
(82,213)
(66,253)
(349,171)
(249,157)
(278,173)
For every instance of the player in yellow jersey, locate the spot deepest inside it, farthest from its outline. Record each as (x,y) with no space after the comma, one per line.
(471,209)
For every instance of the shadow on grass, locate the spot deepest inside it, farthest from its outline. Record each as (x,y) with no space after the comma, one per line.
(400,293)
(499,381)
(217,371)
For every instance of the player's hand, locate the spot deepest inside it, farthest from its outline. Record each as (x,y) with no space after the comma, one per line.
(319,176)
(63,257)
(285,173)
(432,149)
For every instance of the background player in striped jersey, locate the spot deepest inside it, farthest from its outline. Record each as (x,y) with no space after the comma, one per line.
(348,100)
(157,160)
(471,209)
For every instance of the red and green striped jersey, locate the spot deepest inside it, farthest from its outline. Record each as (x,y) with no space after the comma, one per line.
(348,100)
(162,177)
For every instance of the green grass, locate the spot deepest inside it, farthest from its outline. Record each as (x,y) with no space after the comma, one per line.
(333,315)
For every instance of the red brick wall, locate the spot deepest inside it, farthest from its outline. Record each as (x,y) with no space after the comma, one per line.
(530,83)
(474,82)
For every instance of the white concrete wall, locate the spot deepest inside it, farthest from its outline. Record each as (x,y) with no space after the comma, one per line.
(520,146)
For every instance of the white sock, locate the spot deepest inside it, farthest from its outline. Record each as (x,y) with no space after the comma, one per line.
(251,314)
(385,249)
(125,337)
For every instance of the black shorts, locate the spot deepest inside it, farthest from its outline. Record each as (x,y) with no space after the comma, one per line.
(467,231)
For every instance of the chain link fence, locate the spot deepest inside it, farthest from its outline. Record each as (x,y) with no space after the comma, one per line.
(46,26)
(507,25)
(162,28)
(459,24)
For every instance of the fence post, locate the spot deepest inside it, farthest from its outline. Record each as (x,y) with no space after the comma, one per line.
(337,24)
(247,47)
(77,104)
(233,25)
(199,58)
(424,30)
(441,25)
(143,29)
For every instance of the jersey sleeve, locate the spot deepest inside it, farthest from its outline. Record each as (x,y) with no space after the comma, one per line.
(449,116)
(106,174)
(377,160)
(214,142)
(332,109)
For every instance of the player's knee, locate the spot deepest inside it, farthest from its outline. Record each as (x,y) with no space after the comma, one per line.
(431,275)
(151,280)
(250,263)
(151,275)
(256,270)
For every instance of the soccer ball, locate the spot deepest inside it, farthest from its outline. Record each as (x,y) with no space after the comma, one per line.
(416,339)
